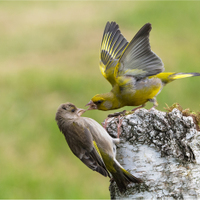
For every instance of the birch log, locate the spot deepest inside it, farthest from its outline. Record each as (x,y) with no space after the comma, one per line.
(161,148)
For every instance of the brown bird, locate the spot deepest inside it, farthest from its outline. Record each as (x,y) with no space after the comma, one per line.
(91,143)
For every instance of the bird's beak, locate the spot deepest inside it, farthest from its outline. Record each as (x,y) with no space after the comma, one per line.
(80,111)
(92,105)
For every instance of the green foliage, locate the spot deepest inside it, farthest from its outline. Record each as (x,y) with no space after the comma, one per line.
(49,55)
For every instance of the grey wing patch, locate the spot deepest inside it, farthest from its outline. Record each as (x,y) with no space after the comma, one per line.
(112,45)
(138,60)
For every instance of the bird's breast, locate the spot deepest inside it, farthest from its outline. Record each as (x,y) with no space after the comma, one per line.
(140,92)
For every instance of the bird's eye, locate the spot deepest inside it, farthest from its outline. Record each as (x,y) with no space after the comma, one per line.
(73,110)
(100,101)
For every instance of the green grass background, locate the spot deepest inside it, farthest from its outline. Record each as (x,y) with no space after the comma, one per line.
(49,54)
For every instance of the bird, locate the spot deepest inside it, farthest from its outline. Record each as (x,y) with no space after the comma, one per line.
(135,72)
(91,143)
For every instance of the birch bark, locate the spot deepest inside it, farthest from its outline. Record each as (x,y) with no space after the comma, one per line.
(161,148)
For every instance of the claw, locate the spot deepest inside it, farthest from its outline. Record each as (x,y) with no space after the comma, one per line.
(118,126)
(155,103)
(105,123)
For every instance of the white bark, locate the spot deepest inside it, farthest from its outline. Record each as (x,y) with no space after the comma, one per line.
(163,149)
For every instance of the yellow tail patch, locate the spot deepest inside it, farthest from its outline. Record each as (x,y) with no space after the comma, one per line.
(178,76)
(167,77)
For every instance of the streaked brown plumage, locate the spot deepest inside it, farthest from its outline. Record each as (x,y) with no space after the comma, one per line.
(90,142)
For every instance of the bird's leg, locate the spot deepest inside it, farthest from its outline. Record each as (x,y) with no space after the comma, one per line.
(112,115)
(155,103)
(143,105)
(117,114)
(105,123)
(118,126)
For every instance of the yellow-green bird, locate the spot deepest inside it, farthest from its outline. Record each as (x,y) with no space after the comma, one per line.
(91,143)
(134,71)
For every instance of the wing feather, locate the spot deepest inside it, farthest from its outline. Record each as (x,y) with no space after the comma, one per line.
(137,59)
(112,45)
(80,141)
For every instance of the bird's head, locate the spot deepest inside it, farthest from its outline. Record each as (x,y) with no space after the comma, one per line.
(100,102)
(68,111)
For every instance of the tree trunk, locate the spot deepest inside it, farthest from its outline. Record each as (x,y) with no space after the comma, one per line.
(163,149)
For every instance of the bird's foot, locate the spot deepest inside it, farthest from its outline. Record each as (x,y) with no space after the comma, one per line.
(152,107)
(105,123)
(155,103)
(118,126)
(117,114)
(143,105)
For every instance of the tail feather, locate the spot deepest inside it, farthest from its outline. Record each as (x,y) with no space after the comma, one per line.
(182,75)
(167,77)
(123,178)
(130,177)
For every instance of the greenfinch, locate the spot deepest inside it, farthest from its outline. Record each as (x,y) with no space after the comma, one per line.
(134,71)
(90,142)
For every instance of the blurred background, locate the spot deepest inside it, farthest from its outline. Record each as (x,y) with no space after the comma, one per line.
(49,54)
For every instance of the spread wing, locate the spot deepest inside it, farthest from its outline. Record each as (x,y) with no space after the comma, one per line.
(82,145)
(112,45)
(137,59)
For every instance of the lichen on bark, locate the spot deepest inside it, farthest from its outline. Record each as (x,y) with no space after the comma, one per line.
(161,148)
